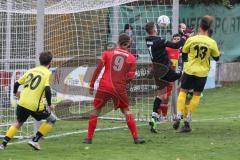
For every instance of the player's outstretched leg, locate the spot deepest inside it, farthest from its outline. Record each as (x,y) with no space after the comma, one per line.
(92,124)
(192,107)
(132,125)
(42,131)
(164,110)
(155,115)
(10,134)
(180,108)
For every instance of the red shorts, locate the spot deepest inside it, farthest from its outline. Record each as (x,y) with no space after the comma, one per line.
(119,97)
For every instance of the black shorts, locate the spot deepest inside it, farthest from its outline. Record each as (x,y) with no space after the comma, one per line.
(193,82)
(161,71)
(172,76)
(23,114)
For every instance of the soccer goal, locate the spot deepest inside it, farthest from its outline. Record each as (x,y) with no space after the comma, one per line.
(76,32)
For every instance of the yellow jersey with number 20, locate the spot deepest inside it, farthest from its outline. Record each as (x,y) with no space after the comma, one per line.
(199,49)
(34,82)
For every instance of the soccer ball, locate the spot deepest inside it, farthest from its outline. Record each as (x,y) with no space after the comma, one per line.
(163,21)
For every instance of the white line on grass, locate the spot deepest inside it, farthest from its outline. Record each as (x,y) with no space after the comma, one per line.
(120,127)
(76,132)
(220,118)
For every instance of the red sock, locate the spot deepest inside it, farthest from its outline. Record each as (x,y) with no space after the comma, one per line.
(92,123)
(159,110)
(132,125)
(164,109)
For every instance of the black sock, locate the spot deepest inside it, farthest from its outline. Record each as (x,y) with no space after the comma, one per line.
(37,137)
(156,104)
(5,141)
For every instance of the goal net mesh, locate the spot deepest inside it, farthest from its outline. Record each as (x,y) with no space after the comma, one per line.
(74,30)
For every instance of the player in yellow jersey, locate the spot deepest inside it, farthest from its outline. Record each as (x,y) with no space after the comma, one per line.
(196,53)
(35,87)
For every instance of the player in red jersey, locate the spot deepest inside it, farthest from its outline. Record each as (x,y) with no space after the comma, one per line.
(120,68)
(173,55)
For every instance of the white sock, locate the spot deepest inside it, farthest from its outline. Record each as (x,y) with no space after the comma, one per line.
(189,117)
(179,115)
(154,114)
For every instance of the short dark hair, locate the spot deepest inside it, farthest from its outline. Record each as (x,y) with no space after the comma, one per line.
(176,35)
(45,58)
(149,27)
(128,26)
(124,40)
(206,22)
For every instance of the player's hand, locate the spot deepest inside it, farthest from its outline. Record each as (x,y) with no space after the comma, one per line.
(18,94)
(51,107)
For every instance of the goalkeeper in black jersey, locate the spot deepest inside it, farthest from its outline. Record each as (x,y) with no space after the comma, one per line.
(161,71)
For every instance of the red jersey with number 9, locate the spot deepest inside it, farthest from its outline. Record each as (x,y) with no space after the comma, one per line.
(120,67)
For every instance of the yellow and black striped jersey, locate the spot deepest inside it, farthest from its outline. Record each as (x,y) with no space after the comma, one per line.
(34,82)
(199,49)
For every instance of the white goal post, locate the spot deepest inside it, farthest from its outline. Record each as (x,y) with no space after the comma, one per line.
(73,28)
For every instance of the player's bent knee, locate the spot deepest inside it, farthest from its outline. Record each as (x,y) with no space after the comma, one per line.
(51,119)
(125,110)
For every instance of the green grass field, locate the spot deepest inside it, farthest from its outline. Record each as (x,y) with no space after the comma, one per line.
(215,136)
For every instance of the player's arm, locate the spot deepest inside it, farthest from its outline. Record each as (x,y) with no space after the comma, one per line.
(184,57)
(215,54)
(132,70)
(16,86)
(48,93)
(20,81)
(98,70)
(175,45)
(186,50)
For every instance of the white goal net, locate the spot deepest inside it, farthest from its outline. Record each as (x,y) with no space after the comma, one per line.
(74,29)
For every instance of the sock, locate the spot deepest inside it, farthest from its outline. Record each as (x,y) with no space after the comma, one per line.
(181,102)
(185,111)
(92,124)
(194,102)
(6,139)
(11,132)
(37,136)
(159,111)
(155,115)
(132,125)
(179,115)
(156,104)
(45,128)
(188,117)
(9,135)
(164,109)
